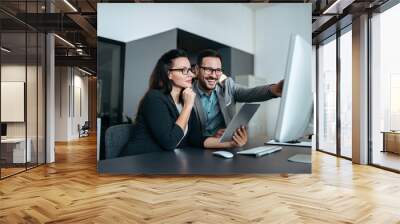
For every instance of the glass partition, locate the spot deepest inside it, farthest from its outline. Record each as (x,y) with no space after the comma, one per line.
(327,95)
(385,89)
(22,88)
(14,153)
(346,93)
(111,56)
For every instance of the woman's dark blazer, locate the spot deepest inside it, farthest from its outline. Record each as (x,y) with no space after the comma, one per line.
(155,128)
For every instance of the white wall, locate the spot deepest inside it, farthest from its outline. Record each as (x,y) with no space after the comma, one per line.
(80,82)
(66,121)
(12,73)
(274,25)
(257,125)
(230,24)
(33,126)
(61,103)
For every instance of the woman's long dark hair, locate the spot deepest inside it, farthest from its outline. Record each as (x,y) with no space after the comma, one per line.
(159,77)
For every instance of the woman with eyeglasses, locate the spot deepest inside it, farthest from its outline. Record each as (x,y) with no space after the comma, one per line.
(163,120)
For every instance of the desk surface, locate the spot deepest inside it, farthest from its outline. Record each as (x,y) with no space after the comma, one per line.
(190,161)
(390,132)
(13,140)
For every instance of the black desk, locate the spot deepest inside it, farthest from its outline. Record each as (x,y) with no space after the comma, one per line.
(190,161)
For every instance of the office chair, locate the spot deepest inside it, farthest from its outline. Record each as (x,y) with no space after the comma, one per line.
(84,130)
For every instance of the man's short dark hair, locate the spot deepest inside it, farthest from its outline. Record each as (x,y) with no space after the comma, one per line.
(208,53)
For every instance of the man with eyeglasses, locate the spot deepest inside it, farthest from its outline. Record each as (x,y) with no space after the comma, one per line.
(216,96)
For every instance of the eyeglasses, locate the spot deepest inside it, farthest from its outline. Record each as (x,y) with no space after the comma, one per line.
(209,70)
(184,71)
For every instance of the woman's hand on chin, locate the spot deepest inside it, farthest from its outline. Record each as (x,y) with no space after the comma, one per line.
(188,96)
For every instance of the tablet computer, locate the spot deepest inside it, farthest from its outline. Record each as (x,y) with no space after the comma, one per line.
(241,118)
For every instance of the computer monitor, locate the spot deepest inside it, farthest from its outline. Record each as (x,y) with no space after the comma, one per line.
(296,104)
(3,129)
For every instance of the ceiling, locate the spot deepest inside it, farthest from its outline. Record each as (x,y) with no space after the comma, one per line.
(76,22)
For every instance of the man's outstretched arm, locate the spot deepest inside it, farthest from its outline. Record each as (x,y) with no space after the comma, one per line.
(258,93)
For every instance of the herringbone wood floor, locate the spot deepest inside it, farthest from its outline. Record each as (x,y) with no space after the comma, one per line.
(71,191)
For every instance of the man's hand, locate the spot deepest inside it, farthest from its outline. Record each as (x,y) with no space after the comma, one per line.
(222,78)
(277,88)
(239,138)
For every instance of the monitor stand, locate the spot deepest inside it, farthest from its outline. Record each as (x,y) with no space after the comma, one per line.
(290,143)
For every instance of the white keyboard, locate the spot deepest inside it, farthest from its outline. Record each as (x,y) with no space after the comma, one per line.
(260,151)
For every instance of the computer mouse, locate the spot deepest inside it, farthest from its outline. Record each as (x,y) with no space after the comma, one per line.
(224,154)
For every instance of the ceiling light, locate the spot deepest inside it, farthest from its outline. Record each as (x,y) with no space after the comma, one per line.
(65,41)
(338,6)
(331,7)
(84,71)
(70,5)
(5,49)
